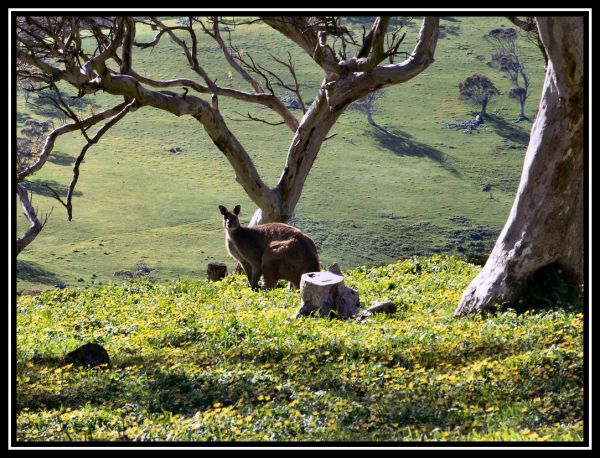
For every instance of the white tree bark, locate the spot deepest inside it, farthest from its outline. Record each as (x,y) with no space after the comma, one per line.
(326,294)
(545,225)
(35,225)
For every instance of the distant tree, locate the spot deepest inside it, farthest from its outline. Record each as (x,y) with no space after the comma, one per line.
(528,25)
(367,105)
(50,50)
(520,94)
(478,90)
(507,57)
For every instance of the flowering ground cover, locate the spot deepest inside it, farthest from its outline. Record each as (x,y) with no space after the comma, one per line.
(200,361)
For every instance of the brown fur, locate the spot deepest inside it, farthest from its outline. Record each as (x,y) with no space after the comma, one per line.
(275,250)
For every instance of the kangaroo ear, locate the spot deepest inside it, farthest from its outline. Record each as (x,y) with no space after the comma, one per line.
(236,210)
(223,210)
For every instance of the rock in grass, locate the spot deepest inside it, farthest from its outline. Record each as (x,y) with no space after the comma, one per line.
(383,307)
(89,355)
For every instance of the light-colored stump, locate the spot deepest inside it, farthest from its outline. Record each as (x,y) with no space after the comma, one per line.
(325,294)
(216,271)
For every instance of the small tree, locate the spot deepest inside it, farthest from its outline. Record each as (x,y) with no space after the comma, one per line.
(478,90)
(520,94)
(367,105)
(507,58)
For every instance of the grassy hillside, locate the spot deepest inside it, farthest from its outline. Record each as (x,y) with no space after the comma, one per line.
(200,361)
(370,199)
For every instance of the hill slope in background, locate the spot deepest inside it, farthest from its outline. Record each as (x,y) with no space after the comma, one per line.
(373,196)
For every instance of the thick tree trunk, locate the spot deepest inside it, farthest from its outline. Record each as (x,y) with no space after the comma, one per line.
(545,225)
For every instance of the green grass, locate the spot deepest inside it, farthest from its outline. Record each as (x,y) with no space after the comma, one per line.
(143,203)
(200,361)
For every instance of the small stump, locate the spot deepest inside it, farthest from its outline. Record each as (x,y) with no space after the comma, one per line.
(89,355)
(325,294)
(216,271)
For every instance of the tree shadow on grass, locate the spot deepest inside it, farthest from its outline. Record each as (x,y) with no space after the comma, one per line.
(402,144)
(22,117)
(41,188)
(161,391)
(59,158)
(450,19)
(32,272)
(507,129)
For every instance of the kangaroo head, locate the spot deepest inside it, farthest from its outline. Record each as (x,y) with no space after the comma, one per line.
(230,220)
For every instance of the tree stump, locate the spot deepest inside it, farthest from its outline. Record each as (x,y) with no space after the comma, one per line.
(216,271)
(325,294)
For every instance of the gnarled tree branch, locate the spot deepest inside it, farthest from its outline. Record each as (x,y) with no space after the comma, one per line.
(35,224)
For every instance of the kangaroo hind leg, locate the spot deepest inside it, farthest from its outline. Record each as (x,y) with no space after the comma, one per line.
(270,280)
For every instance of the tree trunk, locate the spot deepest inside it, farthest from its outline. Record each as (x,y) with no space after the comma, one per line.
(484,107)
(545,225)
(35,224)
(522,109)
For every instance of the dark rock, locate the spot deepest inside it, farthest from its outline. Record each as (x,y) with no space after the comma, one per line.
(383,307)
(88,355)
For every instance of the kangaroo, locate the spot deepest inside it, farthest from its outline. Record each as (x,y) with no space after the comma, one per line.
(275,250)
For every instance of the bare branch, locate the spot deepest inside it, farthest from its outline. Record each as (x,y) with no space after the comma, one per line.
(131,105)
(249,117)
(249,63)
(528,25)
(299,30)
(128,41)
(292,69)
(67,110)
(35,224)
(216,34)
(51,138)
(56,195)
(267,100)
(419,59)
(158,36)
(97,62)
(192,58)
